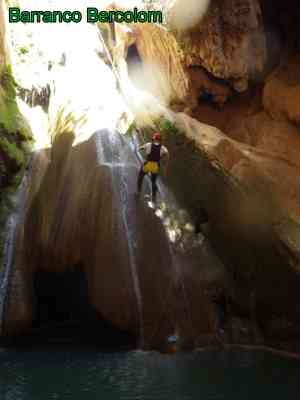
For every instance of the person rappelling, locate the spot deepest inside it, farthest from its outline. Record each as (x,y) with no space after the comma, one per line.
(154,152)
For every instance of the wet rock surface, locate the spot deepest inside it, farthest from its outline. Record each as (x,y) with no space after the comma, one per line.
(84,214)
(248,195)
(245,173)
(236,71)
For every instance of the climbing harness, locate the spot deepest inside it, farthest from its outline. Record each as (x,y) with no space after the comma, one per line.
(151,167)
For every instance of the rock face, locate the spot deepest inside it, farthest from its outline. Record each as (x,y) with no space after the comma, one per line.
(246,173)
(162,54)
(14,130)
(228,46)
(204,86)
(246,176)
(281,21)
(250,187)
(282,92)
(264,159)
(83,215)
(229,41)
(251,197)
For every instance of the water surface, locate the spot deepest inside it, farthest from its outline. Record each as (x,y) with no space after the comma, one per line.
(70,373)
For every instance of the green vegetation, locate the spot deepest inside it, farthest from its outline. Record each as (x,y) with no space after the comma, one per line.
(15,141)
(10,118)
(12,152)
(23,50)
(14,129)
(6,207)
(8,106)
(65,122)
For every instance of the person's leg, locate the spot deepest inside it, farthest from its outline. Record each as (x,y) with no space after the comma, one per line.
(154,186)
(140,179)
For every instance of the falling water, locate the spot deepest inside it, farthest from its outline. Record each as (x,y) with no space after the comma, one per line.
(184,244)
(13,222)
(111,152)
(123,159)
(114,153)
(168,198)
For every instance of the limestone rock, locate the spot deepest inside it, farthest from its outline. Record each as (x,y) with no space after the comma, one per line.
(203,86)
(282,92)
(279,139)
(229,41)
(184,16)
(83,214)
(162,55)
(251,195)
(270,154)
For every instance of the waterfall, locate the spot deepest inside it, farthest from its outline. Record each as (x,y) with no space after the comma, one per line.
(14,222)
(167,198)
(95,96)
(187,248)
(111,152)
(123,159)
(116,155)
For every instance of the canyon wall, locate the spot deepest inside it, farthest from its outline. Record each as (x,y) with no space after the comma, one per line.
(75,221)
(228,113)
(14,130)
(236,77)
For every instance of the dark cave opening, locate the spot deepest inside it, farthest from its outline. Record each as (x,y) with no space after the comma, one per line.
(61,297)
(63,313)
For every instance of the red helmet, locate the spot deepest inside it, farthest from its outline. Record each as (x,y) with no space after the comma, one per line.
(156,137)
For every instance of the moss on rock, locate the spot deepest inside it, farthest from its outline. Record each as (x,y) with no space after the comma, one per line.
(11,119)
(15,141)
